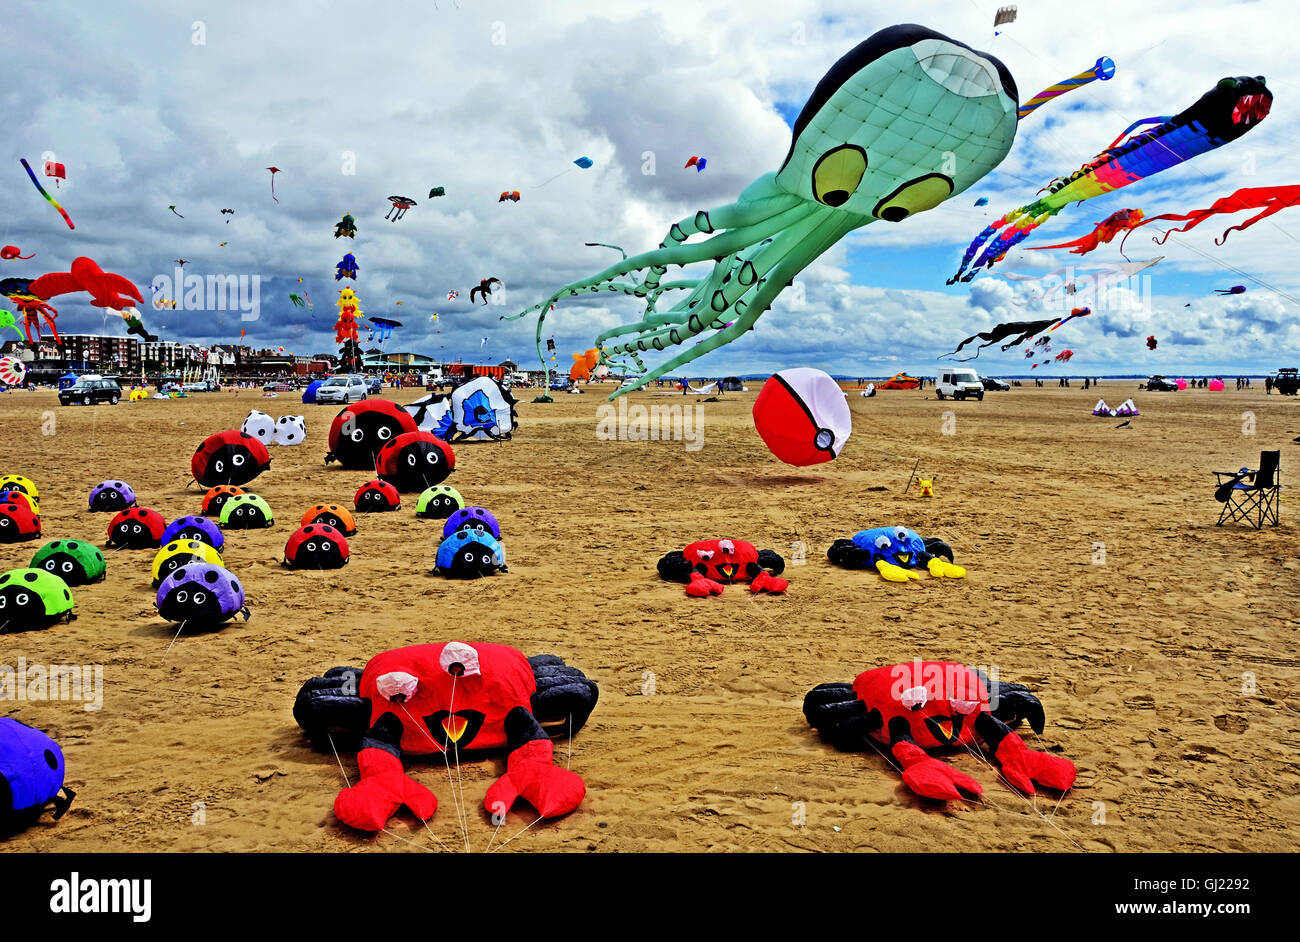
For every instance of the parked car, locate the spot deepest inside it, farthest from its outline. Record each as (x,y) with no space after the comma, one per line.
(1160,384)
(959,384)
(338,389)
(1287,381)
(89,390)
(279,387)
(994,384)
(374,385)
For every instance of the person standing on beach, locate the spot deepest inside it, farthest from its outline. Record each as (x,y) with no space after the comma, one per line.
(1268,385)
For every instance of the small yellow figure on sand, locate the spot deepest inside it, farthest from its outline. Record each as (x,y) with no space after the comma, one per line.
(925,486)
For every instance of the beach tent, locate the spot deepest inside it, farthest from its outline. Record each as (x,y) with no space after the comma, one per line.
(309,394)
(731,384)
(67,380)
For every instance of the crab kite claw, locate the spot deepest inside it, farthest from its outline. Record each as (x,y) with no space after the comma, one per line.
(931,778)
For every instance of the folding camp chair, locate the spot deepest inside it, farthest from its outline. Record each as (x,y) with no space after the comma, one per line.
(1251,495)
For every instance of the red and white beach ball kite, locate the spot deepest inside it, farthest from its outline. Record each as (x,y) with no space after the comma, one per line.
(803,416)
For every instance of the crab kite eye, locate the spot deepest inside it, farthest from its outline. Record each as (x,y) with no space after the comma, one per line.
(705,555)
(921,194)
(837,173)
(965,707)
(901,535)
(882,542)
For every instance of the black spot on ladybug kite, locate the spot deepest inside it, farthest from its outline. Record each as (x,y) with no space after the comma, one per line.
(414,461)
(376,497)
(362,429)
(136,528)
(230,457)
(709,565)
(316,546)
(910,708)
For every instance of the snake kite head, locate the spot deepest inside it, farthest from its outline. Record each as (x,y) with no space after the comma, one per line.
(902,122)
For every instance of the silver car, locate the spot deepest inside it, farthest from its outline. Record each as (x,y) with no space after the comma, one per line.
(341,389)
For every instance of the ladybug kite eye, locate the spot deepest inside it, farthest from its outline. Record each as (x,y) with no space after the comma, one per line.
(182,595)
(237,460)
(385,433)
(410,460)
(882,542)
(49,564)
(199,598)
(311,547)
(357,435)
(432,457)
(469,556)
(22,598)
(325,547)
(67,566)
(219,465)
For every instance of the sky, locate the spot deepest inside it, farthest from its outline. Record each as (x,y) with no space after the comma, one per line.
(153,104)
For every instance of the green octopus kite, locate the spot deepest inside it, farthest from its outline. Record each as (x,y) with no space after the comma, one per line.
(901,123)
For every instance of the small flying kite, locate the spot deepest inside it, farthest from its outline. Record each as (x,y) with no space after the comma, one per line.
(400,205)
(512,195)
(452,295)
(274,171)
(173,209)
(437,191)
(1235,289)
(484,287)
(697,162)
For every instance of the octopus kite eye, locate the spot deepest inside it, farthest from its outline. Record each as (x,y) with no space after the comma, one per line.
(837,173)
(917,196)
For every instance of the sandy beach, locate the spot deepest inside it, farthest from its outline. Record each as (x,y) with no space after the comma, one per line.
(1168,670)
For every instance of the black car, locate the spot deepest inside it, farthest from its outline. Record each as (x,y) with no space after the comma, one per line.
(1287,381)
(90,391)
(994,384)
(1160,384)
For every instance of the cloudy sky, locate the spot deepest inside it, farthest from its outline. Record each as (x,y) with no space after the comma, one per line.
(151,104)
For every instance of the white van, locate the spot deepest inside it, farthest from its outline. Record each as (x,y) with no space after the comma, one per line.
(959,384)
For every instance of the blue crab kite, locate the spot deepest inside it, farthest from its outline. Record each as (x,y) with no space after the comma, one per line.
(904,121)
